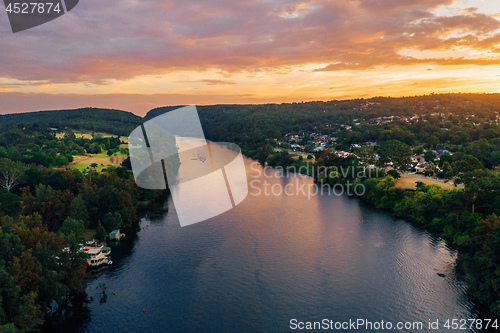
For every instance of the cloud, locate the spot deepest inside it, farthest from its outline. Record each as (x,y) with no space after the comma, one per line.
(103,41)
(212,82)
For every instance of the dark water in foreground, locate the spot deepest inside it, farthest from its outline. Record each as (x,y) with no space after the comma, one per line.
(272,259)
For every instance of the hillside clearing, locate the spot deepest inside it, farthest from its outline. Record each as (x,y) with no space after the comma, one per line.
(88,135)
(83,162)
(409,181)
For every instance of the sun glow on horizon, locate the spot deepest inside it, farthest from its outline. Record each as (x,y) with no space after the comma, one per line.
(256,52)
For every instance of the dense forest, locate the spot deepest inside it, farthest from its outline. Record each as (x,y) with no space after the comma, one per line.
(47,207)
(89,119)
(47,210)
(457,122)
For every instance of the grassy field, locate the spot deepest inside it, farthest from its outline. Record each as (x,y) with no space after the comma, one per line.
(87,135)
(296,154)
(102,160)
(410,182)
(83,162)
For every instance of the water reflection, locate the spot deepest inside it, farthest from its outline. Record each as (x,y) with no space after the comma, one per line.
(274,258)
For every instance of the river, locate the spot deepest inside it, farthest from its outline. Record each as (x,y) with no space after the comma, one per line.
(272,259)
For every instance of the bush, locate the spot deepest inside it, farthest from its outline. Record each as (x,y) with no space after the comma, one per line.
(394,174)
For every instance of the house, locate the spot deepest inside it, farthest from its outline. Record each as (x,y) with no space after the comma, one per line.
(116,235)
(421,168)
(98,254)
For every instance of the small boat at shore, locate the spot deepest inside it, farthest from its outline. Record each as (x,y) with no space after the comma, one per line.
(99,254)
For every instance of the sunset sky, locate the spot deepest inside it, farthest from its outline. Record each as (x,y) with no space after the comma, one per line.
(136,55)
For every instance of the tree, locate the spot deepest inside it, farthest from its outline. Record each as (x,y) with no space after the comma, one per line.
(263,153)
(485,278)
(446,171)
(418,150)
(445,158)
(30,316)
(52,205)
(112,221)
(394,174)
(326,158)
(495,158)
(467,163)
(69,135)
(479,148)
(429,156)
(432,141)
(126,163)
(70,225)
(480,187)
(101,233)
(78,209)
(9,202)
(396,152)
(10,173)
(366,154)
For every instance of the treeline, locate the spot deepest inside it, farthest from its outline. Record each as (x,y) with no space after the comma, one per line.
(43,221)
(47,213)
(89,119)
(34,144)
(478,137)
(468,218)
(37,268)
(468,118)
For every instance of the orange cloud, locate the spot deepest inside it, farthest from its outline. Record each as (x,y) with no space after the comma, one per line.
(119,45)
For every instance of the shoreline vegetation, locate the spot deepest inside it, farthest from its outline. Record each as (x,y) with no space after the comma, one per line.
(49,207)
(452,137)
(446,212)
(50,201)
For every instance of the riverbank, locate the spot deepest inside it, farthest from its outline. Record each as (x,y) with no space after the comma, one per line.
(451,212)
(273,258)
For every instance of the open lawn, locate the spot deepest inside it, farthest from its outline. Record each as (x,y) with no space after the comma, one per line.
(83,162)
(296,154)
(408,181)
(87,135)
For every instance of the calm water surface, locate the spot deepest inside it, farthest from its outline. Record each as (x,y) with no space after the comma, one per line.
(271,259)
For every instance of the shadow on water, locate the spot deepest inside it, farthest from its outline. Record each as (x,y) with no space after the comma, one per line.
(76,315)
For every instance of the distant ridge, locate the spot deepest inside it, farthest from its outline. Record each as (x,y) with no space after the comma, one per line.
(254,122)
(91,119)
(230,122)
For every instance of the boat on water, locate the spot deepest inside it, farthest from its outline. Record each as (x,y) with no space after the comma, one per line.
(99,254)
